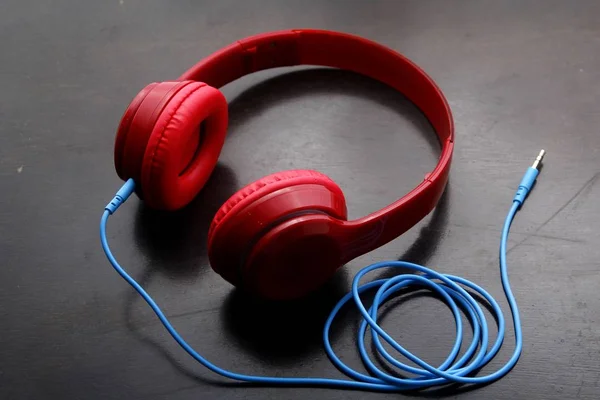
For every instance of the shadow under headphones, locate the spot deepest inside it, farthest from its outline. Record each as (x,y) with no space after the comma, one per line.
(287,233)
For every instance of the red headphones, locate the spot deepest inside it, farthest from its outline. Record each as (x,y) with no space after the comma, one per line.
(286,234)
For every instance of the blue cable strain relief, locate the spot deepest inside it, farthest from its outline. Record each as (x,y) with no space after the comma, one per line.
(114,204)
(122,195)
(526,185)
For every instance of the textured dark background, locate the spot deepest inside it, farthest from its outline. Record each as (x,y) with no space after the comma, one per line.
(519,76)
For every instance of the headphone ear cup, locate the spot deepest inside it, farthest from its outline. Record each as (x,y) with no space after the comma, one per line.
(258,209)
(169,141)
(124,164)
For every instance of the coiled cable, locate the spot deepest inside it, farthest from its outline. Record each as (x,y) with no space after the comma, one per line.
(450,288)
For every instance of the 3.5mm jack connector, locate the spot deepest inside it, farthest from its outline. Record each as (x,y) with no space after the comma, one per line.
(538,159)
(529,179)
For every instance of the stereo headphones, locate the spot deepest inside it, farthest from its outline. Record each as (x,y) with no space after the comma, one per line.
(286,234)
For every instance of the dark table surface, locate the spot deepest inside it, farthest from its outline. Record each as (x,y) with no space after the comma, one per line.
(519,76)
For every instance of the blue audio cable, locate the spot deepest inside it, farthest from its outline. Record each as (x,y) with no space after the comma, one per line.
(424,375)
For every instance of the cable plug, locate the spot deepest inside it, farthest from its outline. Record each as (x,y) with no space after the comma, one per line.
(529,179)
(122,195)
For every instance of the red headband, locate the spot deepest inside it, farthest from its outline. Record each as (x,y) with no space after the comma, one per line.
(338,50)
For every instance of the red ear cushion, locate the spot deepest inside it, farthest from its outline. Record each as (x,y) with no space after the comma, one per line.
(267,185)
(137,125)
(164,183)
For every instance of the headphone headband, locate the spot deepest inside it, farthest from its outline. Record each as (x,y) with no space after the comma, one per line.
(348,52)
